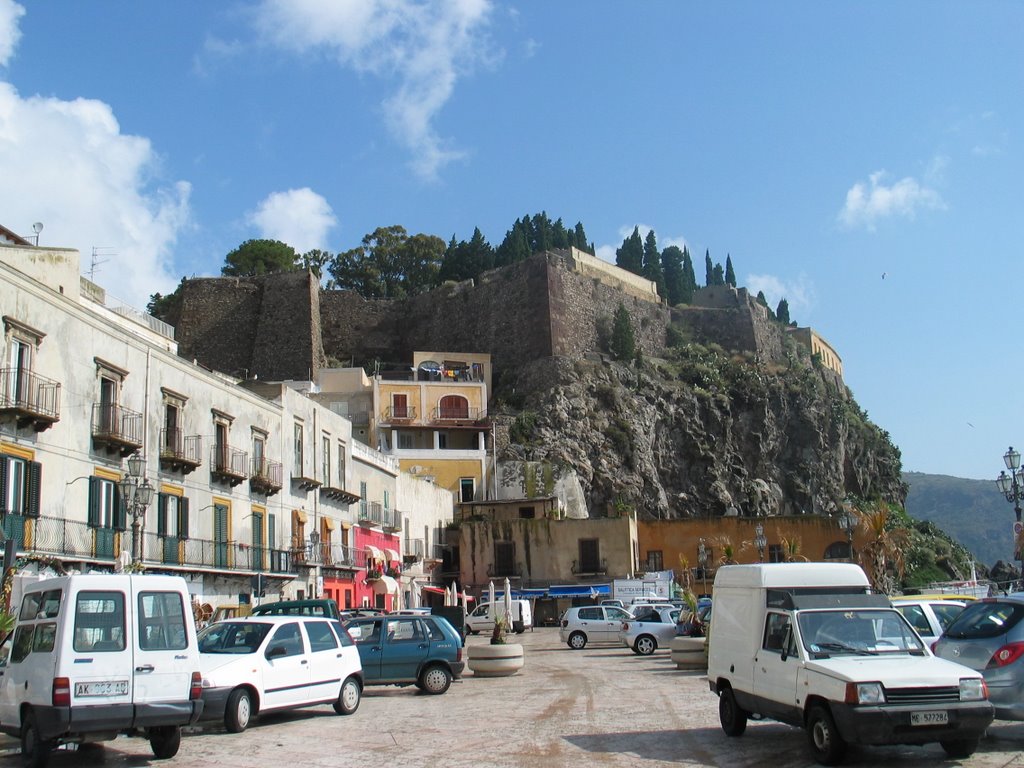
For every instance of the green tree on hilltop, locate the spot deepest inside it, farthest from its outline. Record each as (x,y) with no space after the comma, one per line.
(259,257)
(709,270)
(730,275)
(689,278)
(672,269)
(718,276)
(652,263)
(782,313)
(516,245)
(630,255)
(389,264)
(465,261)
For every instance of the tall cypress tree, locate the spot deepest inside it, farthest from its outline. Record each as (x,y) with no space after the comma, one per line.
(541,232)
(559,235)
(581,238)
(782,313)
(689,278)
(709,269)
(730,275)
(630,255)
(623,342)
(719,275)
(652,263)
(672,268)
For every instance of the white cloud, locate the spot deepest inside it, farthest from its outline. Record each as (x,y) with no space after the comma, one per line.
(424,46)
(868,203)
(799,293)
(299,217)
(10,33)
(91,186)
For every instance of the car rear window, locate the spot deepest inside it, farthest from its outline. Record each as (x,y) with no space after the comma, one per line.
(946,613)
(986,619)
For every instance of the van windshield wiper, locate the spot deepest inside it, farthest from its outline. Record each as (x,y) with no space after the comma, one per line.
(846,649)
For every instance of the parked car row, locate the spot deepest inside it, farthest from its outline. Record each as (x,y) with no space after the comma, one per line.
(644,628)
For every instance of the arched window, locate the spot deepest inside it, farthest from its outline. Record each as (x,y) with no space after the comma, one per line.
(453,407)
(838,550)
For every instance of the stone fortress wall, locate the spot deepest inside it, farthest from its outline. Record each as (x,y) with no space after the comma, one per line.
(284,326)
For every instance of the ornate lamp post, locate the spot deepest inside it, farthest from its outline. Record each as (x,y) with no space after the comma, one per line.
(1012,487)
(760,542)
(848,522)
(702,561)
(137,493)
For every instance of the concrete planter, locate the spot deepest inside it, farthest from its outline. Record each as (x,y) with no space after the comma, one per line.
(688,653)
(495,660)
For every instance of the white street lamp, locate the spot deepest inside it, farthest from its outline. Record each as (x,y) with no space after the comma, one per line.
(137,493)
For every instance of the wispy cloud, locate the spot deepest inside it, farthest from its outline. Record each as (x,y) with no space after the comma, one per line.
(798,293)
(868,203)
(299,217)
(607,251)
(421,47)
(10,32)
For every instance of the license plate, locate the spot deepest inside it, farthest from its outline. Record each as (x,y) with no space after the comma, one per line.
(106,688)
(929,718)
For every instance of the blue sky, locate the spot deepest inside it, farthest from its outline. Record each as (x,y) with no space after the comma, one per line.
(863,160)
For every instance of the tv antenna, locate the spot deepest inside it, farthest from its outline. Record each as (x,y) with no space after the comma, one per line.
(98,252)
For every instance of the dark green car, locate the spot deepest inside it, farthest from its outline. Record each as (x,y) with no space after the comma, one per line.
(424,651)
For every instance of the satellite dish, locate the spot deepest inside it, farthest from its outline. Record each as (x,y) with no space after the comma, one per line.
(37,227)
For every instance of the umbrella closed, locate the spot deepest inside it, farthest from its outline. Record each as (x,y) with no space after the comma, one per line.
(508,604)
(491,613)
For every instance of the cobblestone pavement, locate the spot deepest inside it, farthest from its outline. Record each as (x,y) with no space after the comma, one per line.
(602,706)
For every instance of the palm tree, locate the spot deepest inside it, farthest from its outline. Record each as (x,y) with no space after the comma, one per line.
(729,550)
(791,549)
(883,554)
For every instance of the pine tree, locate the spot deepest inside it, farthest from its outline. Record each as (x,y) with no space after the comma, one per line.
(623,343)
(782,313)
(581,238)
(559,235)
(672,269)
(709,269)
(652,263)
(761,298)
(541,231)
(630,255)
(516,245)
(689,278)
(730,275)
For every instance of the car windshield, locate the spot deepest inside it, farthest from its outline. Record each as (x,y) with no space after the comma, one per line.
(986,619)
(232,637)
(858,631)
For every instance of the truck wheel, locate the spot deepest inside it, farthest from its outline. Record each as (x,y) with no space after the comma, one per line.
(645,645)
(435,680)
(35,750)
(577,641)
(238,712)
(164,740)
(348,700)
(733,719)
(827,745)
(960,749)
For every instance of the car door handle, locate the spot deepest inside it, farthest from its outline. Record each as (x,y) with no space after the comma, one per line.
(304,661)
(144,668)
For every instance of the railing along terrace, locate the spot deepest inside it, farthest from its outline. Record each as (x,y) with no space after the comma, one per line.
(26,391)
(459,413)
(118,422)
(372,512)
(267,471)
(399,413)
(227,460)
(175,444)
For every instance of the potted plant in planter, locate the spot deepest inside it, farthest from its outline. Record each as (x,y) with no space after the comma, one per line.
(498,658)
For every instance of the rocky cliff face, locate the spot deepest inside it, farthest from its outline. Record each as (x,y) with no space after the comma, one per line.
(699,433)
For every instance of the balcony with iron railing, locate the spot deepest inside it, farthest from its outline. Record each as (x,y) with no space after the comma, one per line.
(265,477)
(398,414)
(116,429)
(180,452)
(32,399)
(458,415)
(590,567)
(505,569)
(413,550)
(371,513)
(228,464)
(73,540)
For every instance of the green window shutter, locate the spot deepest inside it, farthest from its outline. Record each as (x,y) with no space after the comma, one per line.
(4,468)
(94,502)
(120,513)
(161,514)
(183,518)
(35,474)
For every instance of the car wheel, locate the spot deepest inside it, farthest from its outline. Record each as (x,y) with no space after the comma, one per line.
(827,745)
(472,631)
(165,740)
(960,749)
(645,645)
(733,719)
(35,750)
(577,641)
(348,700)
(435,680)
(238,712)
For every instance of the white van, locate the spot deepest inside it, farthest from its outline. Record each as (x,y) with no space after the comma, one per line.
(480,619)
(92,656)
(807,644)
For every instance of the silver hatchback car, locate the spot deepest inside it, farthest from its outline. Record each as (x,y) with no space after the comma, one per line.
(649,627)
(989,637)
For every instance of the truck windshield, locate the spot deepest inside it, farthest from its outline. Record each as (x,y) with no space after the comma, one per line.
(857,631)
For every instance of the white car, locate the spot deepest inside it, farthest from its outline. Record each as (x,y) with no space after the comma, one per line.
(649,627)
(591,624)
(929,615)
(480,619)
(269,663)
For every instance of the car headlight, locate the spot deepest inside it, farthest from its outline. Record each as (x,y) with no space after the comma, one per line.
(865,693)
(973,689)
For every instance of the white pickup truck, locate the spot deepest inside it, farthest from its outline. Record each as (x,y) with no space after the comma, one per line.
(807,644)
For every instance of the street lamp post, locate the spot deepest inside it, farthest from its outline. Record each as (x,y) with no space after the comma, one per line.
(137,493)
(848,522)
(702,561)
(1012,487)
(760,541)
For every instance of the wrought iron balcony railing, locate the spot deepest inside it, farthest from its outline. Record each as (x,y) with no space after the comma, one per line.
(398,413)
(589,567)
(180,452)
(228,464)
(32,398)
(116,428)
(266,476)
(458,415)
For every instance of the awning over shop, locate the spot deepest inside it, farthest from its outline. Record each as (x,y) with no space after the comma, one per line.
(373,553)
(440,591)
(385,585)
(299,516)
(392,555)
